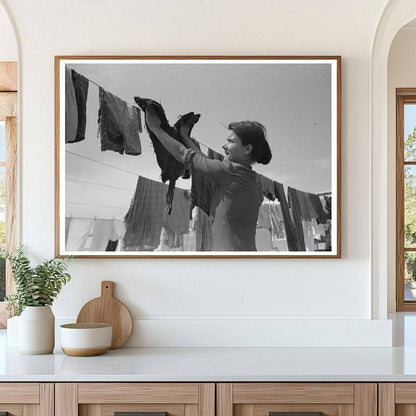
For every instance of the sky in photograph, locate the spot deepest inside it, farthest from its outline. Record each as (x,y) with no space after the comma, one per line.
(293,102)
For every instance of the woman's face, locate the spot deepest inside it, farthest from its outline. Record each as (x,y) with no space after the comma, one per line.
(236,151)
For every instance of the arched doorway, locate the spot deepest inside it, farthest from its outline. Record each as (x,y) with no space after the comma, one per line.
(396,14)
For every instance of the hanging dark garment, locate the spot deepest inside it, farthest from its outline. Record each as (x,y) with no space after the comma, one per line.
(316,202)
(328,206)
(111,245)
(171,169)
(304,212)
(118,125)
(203,188)
(297,217)
(144,219)
(292,238)
(81,94)
(71,111)
(267,187)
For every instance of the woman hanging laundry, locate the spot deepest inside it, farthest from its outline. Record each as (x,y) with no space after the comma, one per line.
(237,196)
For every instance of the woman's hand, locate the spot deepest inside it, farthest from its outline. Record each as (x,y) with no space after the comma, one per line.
(152,119)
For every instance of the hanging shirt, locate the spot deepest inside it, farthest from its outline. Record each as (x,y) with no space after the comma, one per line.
(71,111)
(267,187)
(290,229)
(144,218)
(101,234)
(177,222)
(235,201)
(297,217)
(118,125)
(78,233)
(81,94)
(316,202)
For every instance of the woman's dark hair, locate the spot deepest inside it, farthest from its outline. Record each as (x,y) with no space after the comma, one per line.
(254,133)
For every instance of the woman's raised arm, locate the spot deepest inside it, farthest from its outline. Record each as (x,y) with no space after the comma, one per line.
(176,149)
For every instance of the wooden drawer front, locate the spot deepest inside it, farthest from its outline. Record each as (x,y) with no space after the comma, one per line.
(27,399)
(405,393)
(138,393)
(397,399)
(332,399)
(19,393)
(293,393)
(104,399)
(110,409)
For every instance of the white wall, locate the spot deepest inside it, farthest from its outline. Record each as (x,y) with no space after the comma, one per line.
(179,302)
(401,74)
(8,47)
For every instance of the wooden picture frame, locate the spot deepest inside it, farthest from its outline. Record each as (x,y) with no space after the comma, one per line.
(102,177)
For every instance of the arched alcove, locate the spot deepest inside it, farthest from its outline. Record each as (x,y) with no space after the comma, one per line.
(396,14)
(9,57)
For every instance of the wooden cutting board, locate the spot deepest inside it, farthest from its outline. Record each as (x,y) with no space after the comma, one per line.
(107,309)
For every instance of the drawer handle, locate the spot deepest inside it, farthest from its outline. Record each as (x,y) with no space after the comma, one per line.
(296,414)
(138,414)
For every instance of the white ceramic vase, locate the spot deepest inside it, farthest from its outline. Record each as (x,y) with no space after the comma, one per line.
(37,330)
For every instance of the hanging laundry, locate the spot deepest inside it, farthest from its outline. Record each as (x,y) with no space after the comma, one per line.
(308,235)
(189,240)
(309,206)
(293,241)
(293,196)
(170,167)
(71,110)
(144,218)
(267,187)
(119,125)
(203,229)
(81,93)
(263,229)
(264,219)
(178,221)
(316,202)
(78,233)
(101,234)
(117,230)
(67,223)
(203,188)
(327,205)
(170,241)
(304,212)
(111,245)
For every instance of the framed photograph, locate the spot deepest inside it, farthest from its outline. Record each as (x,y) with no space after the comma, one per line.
(198,156)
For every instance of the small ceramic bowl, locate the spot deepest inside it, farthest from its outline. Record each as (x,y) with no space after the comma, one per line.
(83,340)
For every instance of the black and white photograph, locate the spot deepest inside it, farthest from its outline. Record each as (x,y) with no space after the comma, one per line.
(197,156)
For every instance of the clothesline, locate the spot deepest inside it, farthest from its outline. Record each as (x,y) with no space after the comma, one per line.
(102,163)
(99,184)
(111,166)
(94,205)
(133,105)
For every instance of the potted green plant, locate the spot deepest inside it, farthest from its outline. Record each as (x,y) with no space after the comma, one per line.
(36,289)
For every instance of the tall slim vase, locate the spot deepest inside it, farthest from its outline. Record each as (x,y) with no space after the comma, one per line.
(37,330)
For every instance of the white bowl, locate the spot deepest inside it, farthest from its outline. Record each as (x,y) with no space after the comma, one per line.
(84,340)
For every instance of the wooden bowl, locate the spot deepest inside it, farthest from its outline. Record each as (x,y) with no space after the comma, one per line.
(84,340)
